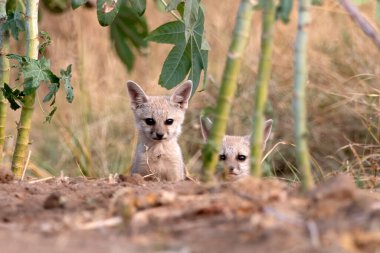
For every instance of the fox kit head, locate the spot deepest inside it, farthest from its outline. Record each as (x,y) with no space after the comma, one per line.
(235,150)
(159,118)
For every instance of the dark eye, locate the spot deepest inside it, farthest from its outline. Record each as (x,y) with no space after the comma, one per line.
(222,157)
(241,157)
(169,121)
(150,121)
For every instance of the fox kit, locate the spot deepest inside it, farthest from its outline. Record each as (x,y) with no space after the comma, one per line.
(235,150)
(158,121)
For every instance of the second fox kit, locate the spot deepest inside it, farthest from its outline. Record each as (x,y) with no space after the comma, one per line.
(235,150)
(158,121)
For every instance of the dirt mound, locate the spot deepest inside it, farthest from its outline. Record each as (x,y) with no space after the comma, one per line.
(114,215)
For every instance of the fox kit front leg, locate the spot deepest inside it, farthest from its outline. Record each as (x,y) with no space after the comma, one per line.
(158,121)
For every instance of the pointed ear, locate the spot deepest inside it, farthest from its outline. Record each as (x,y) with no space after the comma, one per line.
(267,130)
(136,94)
(182,94)
(206,125)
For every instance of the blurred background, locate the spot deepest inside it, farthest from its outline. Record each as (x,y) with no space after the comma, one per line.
(96,135)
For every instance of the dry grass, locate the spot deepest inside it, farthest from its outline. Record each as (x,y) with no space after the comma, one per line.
(343,92)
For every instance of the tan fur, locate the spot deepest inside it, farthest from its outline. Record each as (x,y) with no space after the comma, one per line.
(158,153)
(232,148)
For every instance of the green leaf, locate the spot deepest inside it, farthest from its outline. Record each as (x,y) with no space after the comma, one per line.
(176,67)
(50,115)
(107,10)
(14,97)
(53,89)
(181,8)
(139,6)
(14,24)
(199,56)
(77,3)
(170,33)
(190,15)
(188,57)
(173,5)
(377,10)
(66,78)
(284,10)
(128,31)
(44,42)
(36,71)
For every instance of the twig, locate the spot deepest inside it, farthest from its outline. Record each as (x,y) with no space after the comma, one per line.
(361,21)
(110,222)
(40,180)
(26,165)
(171,12)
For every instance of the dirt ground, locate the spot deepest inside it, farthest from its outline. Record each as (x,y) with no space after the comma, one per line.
(129,214)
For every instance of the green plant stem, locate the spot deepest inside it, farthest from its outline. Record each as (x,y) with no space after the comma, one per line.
(228,88)
(300,81)
(24,125)
(4,75)
(172,12)
(261,93)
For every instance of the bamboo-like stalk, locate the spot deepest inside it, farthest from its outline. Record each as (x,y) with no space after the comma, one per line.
(228,87)
(300,81)
(4,74)
(24,125)
(261,93)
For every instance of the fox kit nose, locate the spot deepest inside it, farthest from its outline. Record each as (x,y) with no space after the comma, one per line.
(159,136)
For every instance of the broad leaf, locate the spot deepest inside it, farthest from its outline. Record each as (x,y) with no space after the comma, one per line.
(188,57)
(53,89)
(127,32)
(139,6)
(14,24)
(35,72)
(170,33)
(190,16)
(14,97)
(66,78)
(107,11)
(284,10)
(173,5)
(176,67)
(77,3)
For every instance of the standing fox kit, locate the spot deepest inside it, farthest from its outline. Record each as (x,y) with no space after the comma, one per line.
(158,121)
(235,150)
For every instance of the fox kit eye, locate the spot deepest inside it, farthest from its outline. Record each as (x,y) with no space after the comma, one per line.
(150,121)
(241,157)
(222,157)
(169,122)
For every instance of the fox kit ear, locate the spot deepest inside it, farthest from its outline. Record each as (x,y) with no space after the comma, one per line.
(136,94)
(206,125)
(267,129)
(182,94)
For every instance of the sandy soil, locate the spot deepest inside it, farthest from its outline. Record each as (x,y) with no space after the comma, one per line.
(129,214)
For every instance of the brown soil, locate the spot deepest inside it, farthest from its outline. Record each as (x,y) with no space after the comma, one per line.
(133,215)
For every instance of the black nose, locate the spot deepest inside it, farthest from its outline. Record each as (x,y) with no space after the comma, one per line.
(232,168)
(159,136)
